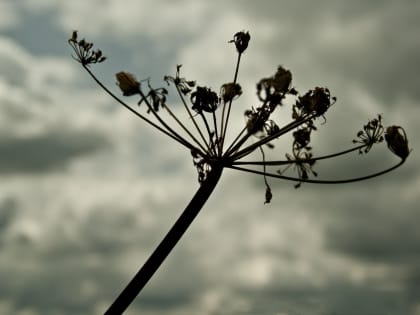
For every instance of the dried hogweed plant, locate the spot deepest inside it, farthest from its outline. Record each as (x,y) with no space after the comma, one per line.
(209,113)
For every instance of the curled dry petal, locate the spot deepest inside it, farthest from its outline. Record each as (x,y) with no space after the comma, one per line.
(397,142)
(128,83)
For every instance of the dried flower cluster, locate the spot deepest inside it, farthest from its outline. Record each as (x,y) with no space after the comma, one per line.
(214,109)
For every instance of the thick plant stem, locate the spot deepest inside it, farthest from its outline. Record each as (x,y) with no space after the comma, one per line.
(166,245)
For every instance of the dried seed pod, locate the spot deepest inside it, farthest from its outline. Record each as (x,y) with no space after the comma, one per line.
(397,142)
(128,83)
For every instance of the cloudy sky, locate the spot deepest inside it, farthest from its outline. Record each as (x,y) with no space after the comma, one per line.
(87,190)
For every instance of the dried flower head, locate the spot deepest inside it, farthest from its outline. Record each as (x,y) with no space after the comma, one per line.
(230,91)
(204,99)
(316,102)
(241,40)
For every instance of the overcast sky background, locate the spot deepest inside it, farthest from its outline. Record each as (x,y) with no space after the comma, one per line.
(87,190)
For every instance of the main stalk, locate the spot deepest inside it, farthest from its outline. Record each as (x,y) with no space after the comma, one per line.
(134,287)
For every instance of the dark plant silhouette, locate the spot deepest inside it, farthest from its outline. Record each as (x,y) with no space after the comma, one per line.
(209,112)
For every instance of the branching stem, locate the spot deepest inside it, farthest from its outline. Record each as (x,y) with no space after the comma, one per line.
(317,181)
(224,122)
(184,128)
(286,162)
(240,154)
(192,117)
(178,139)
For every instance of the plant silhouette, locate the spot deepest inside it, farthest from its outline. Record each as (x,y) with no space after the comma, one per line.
(210,112)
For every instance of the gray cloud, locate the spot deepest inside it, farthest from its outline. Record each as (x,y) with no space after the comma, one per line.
(71,244)
(8,211)
(393,239)
(46,152)
(372,45)
(336,298)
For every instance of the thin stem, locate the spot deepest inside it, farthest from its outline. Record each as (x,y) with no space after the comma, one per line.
(285,162)
(219,153)
(180,140)
(238,155)
(192,117)
(212,148)
(184,128)
(317,181)
(224,122)
(163,123)
(167,244)
(264,167)
(236,139)
(237,143)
